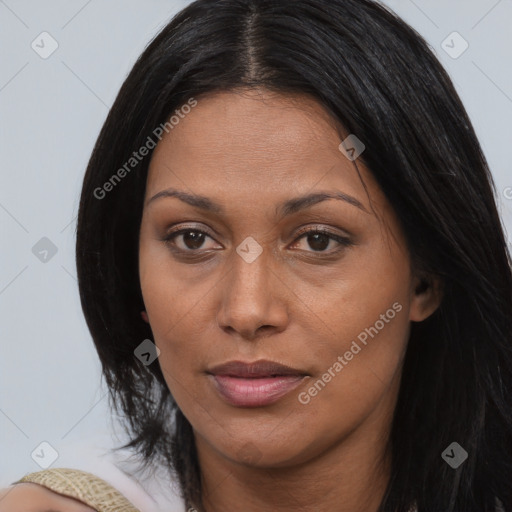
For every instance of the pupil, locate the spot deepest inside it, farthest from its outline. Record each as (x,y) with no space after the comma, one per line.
(318,241)
(193,240)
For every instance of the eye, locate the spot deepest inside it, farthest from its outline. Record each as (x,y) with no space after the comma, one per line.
(319,240)
(189,240)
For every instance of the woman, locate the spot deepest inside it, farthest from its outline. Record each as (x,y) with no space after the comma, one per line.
(293,269)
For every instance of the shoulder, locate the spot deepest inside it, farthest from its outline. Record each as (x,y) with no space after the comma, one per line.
(30,497)
(90,468)
(81,486)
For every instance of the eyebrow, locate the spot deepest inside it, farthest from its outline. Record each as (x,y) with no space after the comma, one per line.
(287,208)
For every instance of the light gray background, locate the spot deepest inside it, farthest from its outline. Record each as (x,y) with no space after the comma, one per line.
(51,111)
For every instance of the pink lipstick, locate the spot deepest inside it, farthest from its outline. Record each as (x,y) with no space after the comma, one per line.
(254,384)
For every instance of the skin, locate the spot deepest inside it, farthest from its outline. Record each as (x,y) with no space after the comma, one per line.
(249,151)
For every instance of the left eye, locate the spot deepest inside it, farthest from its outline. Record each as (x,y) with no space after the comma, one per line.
(191,239)
(319,240)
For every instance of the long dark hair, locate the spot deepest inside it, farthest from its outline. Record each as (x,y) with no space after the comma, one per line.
(377,77)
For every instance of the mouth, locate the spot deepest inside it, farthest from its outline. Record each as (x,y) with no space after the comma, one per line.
(254,384)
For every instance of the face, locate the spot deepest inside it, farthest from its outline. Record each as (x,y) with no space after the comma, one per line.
(266,246)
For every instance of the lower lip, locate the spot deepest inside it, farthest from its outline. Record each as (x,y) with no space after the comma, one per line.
(253,392)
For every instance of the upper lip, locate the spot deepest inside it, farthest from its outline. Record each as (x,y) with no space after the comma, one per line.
(261,368)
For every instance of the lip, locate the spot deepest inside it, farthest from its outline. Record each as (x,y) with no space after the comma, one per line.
(254,384)
(256,369)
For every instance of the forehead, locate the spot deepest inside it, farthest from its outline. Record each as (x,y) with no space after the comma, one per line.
(254,144)
(254,118)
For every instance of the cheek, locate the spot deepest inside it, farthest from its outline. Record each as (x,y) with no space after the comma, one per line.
(369,311)
(180,314)
(170,295)
(341,302)
(177,316)
(174,322)
(362,315)
(359,371)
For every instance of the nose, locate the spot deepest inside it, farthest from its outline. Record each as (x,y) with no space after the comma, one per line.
(253,302)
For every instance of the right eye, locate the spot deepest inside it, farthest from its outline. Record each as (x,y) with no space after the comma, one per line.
(189,240)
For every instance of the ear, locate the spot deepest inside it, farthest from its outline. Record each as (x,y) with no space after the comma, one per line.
(144,316)
(426,296)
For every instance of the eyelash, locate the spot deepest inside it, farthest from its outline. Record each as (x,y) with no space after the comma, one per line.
(343,241)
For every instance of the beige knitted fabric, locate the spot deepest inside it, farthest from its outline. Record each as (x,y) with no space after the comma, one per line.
(83,486)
